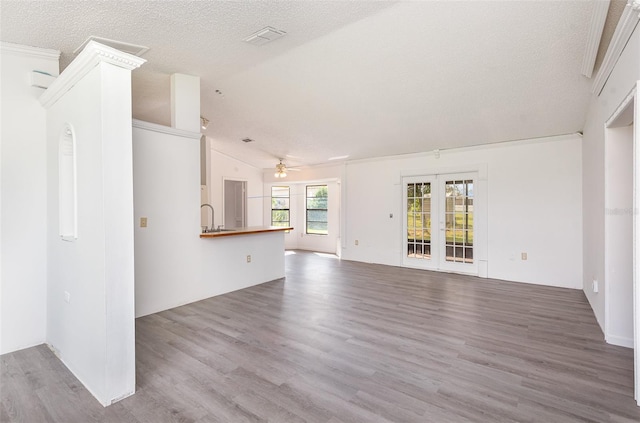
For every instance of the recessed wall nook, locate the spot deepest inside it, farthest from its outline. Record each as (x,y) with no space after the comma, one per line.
(67,184)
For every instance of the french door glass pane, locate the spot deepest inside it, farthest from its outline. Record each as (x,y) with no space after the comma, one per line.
(459,221)
(419,220)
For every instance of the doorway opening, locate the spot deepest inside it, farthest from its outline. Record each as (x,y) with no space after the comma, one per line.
(621,267)
(619,234)
(235,204)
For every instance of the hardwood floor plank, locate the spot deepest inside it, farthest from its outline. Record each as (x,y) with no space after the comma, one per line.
(348,411)
(344,342)
(541,406)
(266,409)
(20,403)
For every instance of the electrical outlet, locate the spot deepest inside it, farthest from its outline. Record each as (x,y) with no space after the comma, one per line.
(594,285)
(523,256)
(143,222)
(67,297)
(248,258)
(357,242)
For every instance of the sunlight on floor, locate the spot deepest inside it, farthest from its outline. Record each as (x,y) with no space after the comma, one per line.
(326,255)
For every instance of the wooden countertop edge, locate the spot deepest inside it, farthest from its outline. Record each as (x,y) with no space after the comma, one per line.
(246,231)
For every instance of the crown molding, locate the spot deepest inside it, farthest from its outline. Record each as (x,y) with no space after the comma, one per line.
(624,29)
(92,55)
(598,19)
(28,51)
(140,124)
(476,147)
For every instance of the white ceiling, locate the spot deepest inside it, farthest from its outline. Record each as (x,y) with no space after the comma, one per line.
(357,78)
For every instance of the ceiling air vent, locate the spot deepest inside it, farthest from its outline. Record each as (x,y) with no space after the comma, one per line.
(134,49)
(264,36)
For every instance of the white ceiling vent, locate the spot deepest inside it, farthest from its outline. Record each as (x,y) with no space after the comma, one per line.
(264,36)
(134,49)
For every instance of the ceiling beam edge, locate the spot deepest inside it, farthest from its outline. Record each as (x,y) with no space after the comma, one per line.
(624,29)
(598,19)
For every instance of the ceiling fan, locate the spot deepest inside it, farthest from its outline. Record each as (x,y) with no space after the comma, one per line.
(281,170)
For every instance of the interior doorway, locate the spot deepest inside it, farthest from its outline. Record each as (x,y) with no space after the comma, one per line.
(619,235)
(622,296)
(235,204)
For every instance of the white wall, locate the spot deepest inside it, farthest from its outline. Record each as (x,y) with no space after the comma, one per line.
(166,251)
(174,266)
(223,167)
(620,83)
(93,332)
(533,206)
(23,198)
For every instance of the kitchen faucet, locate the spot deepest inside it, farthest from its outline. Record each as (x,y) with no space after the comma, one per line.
(213,215)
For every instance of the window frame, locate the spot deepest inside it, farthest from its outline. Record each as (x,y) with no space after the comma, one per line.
(288,209)
(306,208)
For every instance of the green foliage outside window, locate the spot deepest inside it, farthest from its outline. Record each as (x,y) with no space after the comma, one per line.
(280,202)
(317,209)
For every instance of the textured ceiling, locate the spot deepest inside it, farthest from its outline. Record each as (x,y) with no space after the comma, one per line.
(357,78)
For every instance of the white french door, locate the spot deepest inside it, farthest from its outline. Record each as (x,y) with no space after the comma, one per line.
(439,222)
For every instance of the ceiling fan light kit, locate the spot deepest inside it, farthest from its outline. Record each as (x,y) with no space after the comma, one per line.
(281,170)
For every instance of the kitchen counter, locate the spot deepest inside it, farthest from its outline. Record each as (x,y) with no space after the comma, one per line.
(245,231)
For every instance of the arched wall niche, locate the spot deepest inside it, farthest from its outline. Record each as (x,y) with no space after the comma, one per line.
(67,184)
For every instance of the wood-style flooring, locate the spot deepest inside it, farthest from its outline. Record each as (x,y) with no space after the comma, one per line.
(339,342)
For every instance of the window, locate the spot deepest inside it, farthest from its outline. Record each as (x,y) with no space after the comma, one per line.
(317,210)
(280,207)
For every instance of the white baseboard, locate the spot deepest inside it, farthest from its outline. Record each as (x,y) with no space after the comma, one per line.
(620,341)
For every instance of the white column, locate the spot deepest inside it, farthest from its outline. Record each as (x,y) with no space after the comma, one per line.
(185,102)
(90,286)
